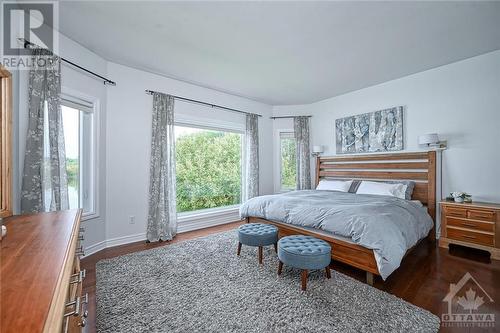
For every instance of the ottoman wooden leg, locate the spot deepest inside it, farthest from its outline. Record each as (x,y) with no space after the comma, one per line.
(280,268)
(239,248)
(260,255)
(304,279)
(328,273)
(276,247)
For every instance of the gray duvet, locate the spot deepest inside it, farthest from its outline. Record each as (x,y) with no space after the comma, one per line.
(388,225)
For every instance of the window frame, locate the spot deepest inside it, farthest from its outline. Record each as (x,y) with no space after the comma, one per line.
(277,148)
(75,99)
(211,125)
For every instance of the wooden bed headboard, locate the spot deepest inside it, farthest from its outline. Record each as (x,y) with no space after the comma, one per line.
(419,167)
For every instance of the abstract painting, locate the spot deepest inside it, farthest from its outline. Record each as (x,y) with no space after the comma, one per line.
(370,132)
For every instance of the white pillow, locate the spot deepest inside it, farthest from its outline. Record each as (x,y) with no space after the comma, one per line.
(334,185)
(393,190)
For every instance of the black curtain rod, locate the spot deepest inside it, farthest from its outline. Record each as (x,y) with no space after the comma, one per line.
(151,92)
(106,81)
(284,117)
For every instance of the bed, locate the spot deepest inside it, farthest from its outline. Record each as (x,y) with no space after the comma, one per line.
(419,167)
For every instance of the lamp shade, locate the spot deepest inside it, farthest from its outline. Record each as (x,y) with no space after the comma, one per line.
(317,149)
(428,139)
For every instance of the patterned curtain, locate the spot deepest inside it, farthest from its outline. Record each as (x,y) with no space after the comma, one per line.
(301,130)
(162,217)
(252,156)
(44,185)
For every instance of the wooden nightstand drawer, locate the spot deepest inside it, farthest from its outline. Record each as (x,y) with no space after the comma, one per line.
(470,236)
(468,224)
(458,212)
(483,215)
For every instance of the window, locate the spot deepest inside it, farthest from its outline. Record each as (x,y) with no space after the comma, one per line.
(208,168)
(79,145)
(288,162)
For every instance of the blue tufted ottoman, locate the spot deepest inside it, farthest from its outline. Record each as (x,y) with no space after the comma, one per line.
(257,234)
(305,253)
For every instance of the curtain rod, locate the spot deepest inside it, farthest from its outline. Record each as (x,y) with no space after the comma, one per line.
(151,92)
(106,81)
(284,117)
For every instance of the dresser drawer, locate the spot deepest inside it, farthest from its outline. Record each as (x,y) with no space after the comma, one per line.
(468,224)
(469,236)
(483,215)
(458,212)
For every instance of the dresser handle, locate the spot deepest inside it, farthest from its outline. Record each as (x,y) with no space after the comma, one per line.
(80,251)
(467,236)
(85,313)
(82,323)
(79,276)
(75,312)
(78,302)
(86,298)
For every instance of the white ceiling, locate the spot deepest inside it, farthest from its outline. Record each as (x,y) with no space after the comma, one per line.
(284,52)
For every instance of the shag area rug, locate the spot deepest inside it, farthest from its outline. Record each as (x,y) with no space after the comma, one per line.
(202,286)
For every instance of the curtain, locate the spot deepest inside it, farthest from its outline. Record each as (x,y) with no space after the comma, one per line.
(162,216)
(44,184)
(301,132)
(252,156)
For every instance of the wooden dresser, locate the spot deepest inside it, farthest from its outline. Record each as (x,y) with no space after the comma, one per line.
(474,225)
(41,281)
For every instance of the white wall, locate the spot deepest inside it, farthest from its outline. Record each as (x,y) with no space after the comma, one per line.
(76,81)
(128,139)
(460,101)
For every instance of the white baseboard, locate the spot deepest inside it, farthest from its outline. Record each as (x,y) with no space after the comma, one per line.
(94,248)
(184,224)
(125,239)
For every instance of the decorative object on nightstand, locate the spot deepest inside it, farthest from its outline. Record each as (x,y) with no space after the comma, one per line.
(475,225)
(461,197)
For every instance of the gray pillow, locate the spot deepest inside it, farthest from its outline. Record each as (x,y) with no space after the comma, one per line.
(354,186)
(410,185)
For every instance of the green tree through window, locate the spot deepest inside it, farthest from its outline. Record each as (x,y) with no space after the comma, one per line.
(288,161)
(208,168)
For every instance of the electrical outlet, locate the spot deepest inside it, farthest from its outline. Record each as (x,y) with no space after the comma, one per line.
(131,219)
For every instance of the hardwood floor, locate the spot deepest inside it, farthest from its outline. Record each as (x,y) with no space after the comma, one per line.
(423,279)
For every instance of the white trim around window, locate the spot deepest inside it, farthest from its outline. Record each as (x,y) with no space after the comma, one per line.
(219,215)
(277,158)
(91,104)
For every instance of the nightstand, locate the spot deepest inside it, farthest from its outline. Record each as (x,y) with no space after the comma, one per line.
(475,225)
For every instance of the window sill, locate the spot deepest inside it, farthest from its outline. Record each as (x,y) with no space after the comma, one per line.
(206,213)
(207,218)
(285,190)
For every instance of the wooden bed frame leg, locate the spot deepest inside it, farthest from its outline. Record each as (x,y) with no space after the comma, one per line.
(304,279)
(239,248)
(280,268)
(369,278)
(260,255)
(276,247)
